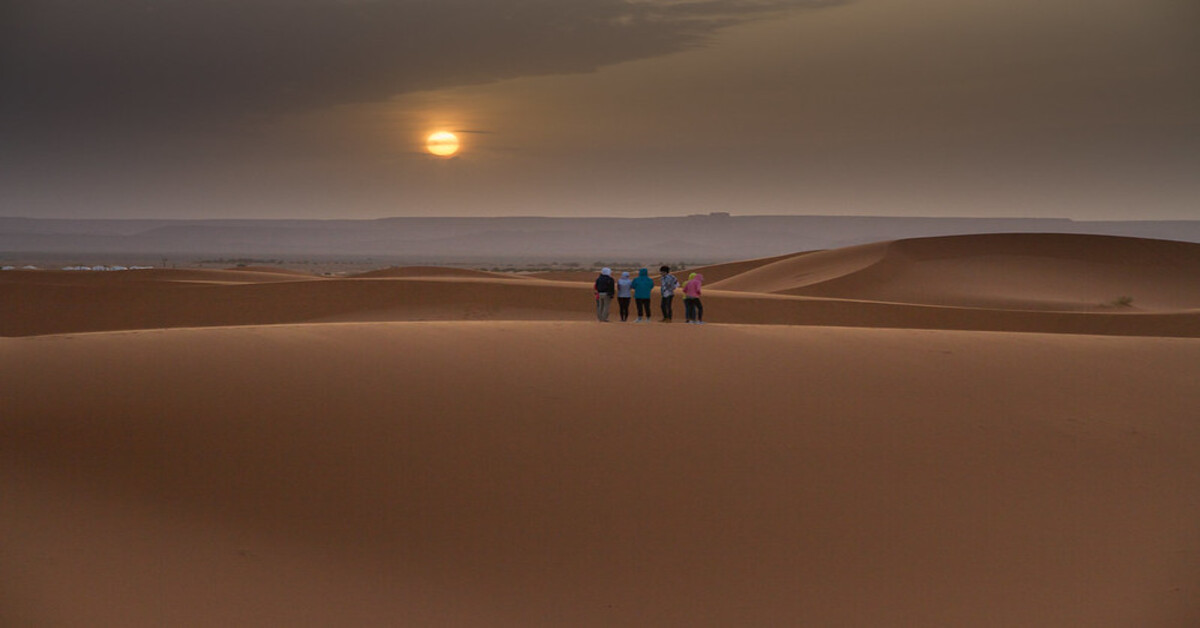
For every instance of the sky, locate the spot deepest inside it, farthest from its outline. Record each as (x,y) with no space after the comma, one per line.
(320,108)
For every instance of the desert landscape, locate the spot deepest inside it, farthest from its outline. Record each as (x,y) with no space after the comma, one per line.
(974,430)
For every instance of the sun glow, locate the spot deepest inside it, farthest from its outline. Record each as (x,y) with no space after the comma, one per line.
(442,143)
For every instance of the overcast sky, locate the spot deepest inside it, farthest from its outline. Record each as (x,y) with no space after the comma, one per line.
(319,108)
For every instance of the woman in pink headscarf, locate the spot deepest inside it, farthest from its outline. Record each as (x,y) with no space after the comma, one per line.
(693,308)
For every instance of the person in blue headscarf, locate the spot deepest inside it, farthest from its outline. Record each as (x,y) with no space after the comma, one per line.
(642,287)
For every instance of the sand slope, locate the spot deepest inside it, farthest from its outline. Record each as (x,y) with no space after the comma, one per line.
(564,275)
(272,269)
(511,474)
(1008,271)
(37,308)
(182,275)
(719,272)
(712,273)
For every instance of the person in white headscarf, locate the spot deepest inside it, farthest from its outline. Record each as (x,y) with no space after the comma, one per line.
(605,288)
(624,295)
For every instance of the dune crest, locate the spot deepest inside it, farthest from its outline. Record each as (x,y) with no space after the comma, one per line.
(272,270)
(403,272)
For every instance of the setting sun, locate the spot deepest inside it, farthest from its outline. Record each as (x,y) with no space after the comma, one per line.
(442,143)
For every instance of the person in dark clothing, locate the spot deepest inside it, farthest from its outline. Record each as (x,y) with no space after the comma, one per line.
(643,286)
(689,309)
(668,284)
(605,288)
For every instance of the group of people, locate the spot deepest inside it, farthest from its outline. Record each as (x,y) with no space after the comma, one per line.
(638,290)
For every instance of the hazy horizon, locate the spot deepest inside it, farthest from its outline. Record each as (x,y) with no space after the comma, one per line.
(319,109)
(734,214)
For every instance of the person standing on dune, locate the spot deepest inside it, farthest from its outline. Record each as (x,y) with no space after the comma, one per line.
(642,288)
(624,294)
(668,284)
(605,287)
(691,299)
(689,310)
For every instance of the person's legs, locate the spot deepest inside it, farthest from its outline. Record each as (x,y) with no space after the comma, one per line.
(666,307)
(689,309)
(643,308)
(602,304)
(623,305)
(699,311)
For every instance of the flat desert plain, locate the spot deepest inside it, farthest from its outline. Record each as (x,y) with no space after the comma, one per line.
(993,430)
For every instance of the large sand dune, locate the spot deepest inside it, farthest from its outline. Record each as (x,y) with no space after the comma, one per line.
(198,451)
(1007,271)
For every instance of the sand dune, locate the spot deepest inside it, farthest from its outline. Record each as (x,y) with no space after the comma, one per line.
(271,269)
(250,448)
(1056,284)
(183,304)
(796,272)
(171,303)
(189,275)
(1007,271)
(718,272)
(564,275)
(712,273)
(511,474)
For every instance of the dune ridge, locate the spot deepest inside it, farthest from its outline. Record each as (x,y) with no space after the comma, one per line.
(712,273)
(1015,282)
(401,272)
(1003,271)
(272,269)
(191,275)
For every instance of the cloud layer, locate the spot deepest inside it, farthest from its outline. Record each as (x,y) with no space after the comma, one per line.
(568,107)
(131,59)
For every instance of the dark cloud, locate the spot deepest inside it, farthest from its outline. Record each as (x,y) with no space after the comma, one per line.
(84,61)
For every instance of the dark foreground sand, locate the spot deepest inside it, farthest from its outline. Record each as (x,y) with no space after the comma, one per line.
(554,472)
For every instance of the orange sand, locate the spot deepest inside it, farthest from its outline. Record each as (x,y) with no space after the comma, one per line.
(226,460)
